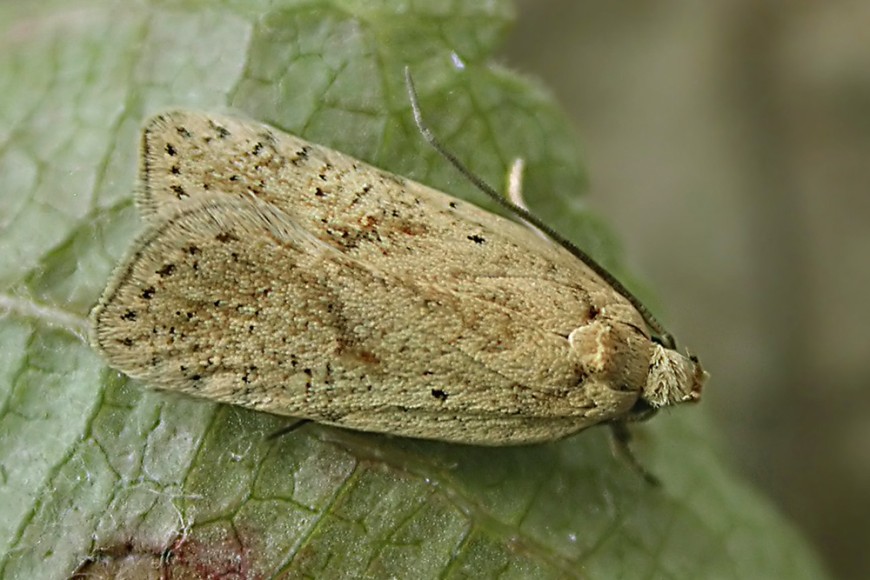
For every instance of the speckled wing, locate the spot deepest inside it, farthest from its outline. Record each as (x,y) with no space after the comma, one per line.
(366,213)
(288,277)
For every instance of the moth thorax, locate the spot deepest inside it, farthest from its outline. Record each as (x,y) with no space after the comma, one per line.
(673,378)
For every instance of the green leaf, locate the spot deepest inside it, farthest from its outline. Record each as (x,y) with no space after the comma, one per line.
(101,473)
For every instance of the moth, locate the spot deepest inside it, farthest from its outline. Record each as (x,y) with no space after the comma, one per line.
(286,277)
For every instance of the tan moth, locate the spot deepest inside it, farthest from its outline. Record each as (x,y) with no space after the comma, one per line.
(286,277)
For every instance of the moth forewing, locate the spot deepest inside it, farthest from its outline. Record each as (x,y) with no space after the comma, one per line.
(286,277)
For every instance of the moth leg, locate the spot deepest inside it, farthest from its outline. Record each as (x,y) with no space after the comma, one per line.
(515,193)
(515,183)
(620,443)
(286,430)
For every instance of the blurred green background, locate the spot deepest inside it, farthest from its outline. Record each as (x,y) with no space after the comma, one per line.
(728,144)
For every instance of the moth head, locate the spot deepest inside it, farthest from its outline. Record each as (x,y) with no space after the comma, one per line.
(673,378)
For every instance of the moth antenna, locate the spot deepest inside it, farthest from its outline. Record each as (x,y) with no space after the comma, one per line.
(665,337)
